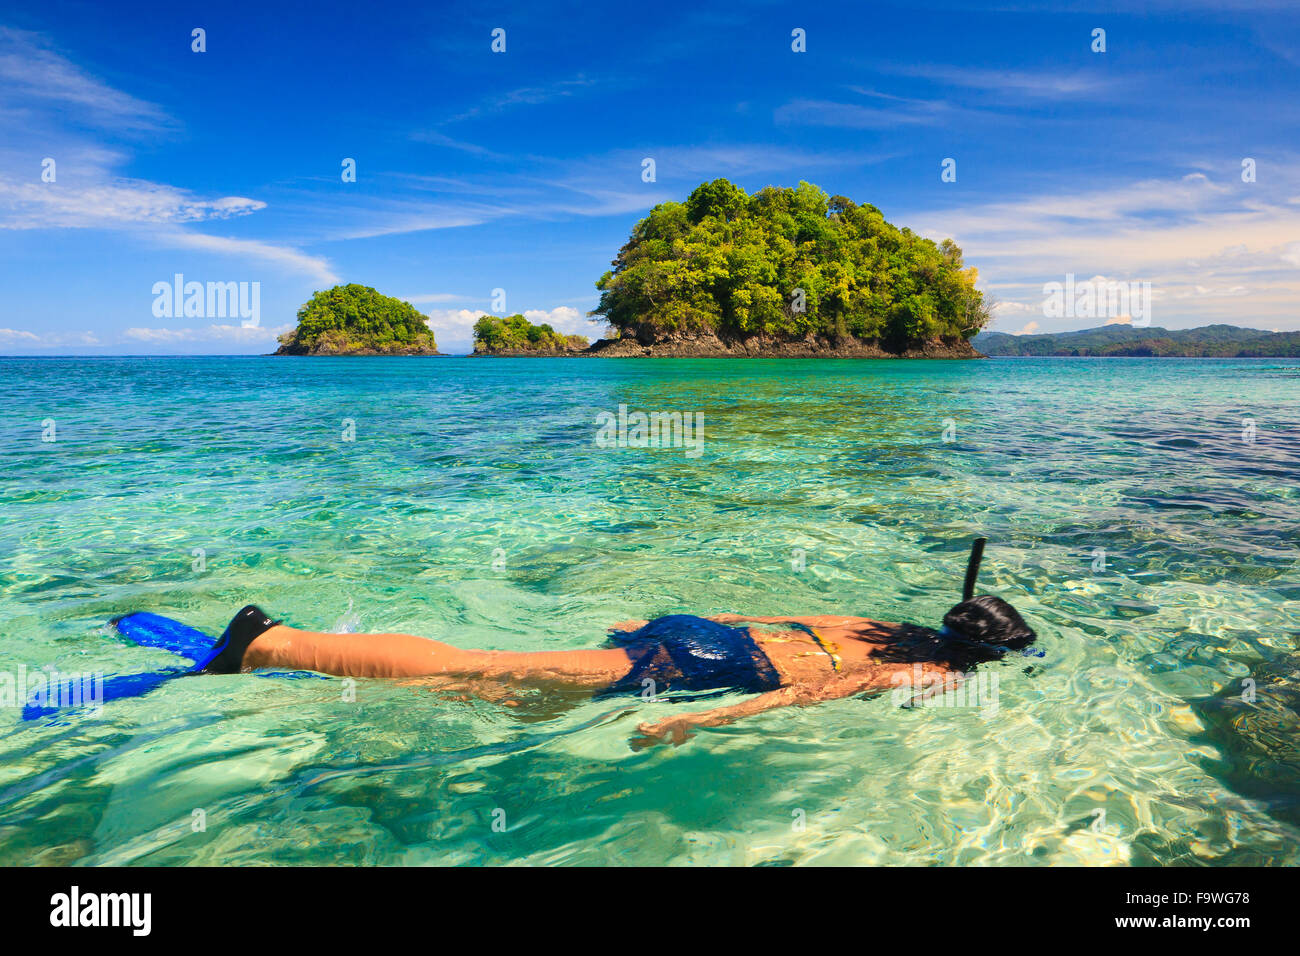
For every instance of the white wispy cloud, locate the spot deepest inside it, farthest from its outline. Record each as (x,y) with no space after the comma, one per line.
(806,112)
(523,200)
(33,72)
(1012,308)
(606,184)
(289,258)
(116,202)
(438,138)
(527,96)
(1214,249)
(997,92)
(168,338)
(31,341)
(232,334)
(1030,84)
(694,163)
(58,103)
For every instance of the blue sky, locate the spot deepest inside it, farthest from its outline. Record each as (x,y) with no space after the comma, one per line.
(522,170)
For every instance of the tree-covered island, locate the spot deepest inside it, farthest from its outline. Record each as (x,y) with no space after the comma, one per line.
(785,272)
(357,320)
(514,335)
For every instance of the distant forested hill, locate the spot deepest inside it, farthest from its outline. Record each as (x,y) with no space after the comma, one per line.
(1209,341)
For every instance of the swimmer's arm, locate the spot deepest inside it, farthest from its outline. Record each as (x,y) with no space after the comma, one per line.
(815,620)
(726,619)
(677,729)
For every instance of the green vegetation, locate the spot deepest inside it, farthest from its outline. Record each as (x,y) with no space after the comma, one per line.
(514,333)
(351,319)
(1210,341)
(731,264)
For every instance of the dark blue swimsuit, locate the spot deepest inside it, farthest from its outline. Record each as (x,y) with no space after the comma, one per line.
(685,652)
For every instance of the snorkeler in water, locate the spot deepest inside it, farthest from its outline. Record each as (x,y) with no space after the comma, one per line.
(780,660)
(812,659)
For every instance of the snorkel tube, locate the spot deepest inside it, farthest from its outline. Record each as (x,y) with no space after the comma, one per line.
(973,568)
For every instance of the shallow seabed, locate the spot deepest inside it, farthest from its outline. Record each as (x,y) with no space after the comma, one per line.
(1132,520)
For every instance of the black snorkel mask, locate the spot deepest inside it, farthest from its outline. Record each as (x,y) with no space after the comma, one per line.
(968,592)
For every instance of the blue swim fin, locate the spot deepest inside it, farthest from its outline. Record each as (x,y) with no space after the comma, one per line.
(146,630)
(84,692)
(154,630)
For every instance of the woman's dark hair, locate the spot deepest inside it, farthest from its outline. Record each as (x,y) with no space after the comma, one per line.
(985,628)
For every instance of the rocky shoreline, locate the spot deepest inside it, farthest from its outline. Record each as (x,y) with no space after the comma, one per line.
(480,351)
(526,353)
(693,346)
(812,346)
(712,346)
(327,352)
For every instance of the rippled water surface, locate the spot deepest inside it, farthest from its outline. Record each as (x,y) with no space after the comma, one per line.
(1143,514)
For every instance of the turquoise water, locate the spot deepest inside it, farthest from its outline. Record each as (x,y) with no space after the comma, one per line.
(475,506)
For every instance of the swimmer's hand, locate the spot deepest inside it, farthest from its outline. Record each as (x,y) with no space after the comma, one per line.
(628,625)
(674,730)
